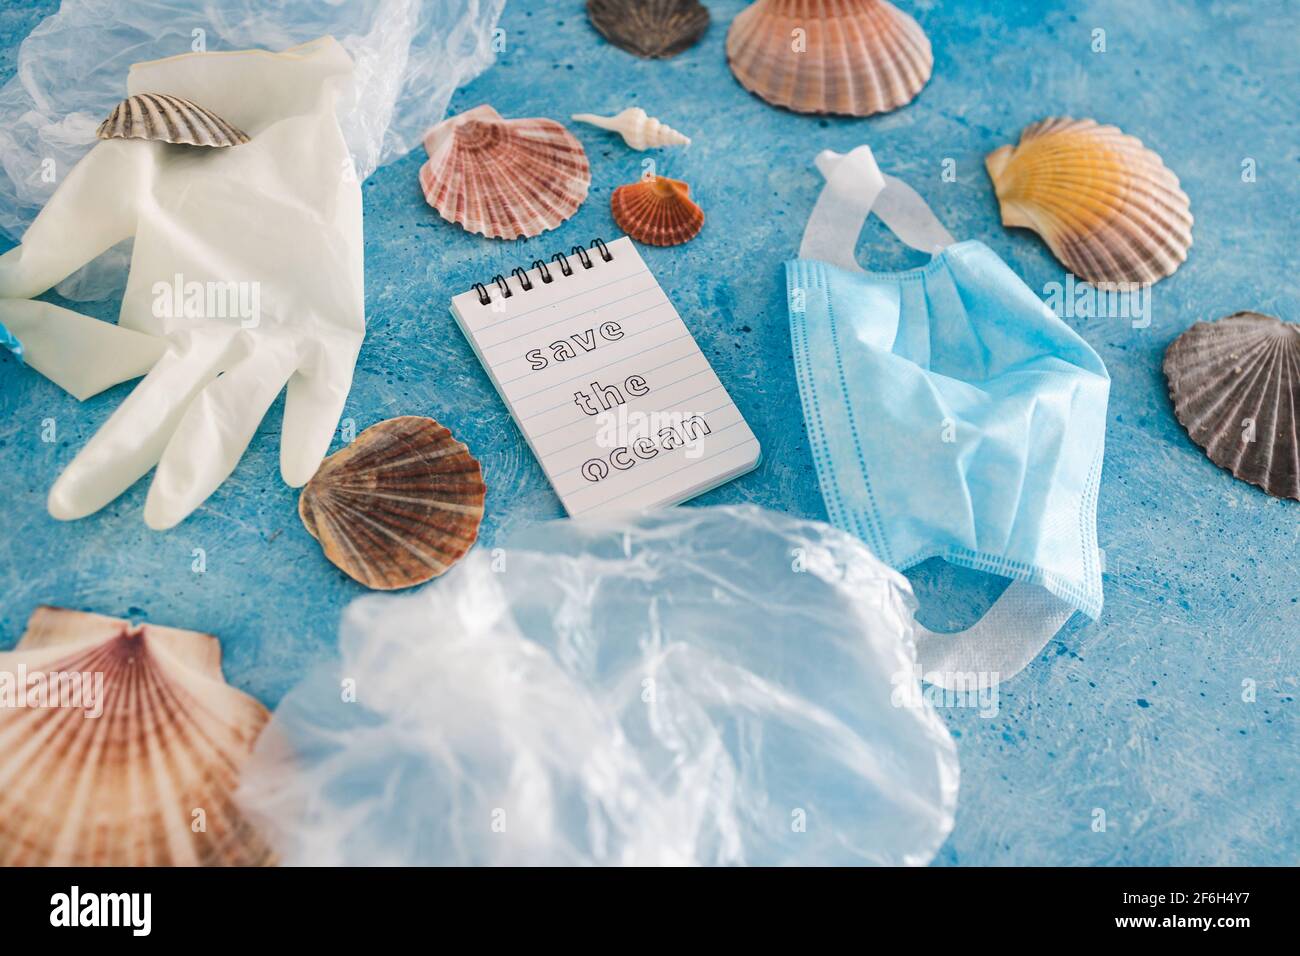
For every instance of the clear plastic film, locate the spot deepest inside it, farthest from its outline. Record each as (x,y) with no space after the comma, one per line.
(410,56)
(699,686)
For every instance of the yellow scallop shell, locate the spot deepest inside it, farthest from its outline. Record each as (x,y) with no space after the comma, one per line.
(1106,206)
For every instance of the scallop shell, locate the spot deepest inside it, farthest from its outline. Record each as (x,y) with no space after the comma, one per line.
(504,178)
(654,29)
(1106,206)
(657,211)
(1235,385)
(851,57)
(124,787)
(168,119)
(398,506)
(639,130)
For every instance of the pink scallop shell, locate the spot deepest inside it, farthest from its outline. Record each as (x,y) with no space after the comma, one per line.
(504,178)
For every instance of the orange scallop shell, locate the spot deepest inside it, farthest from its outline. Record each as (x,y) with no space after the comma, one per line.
(657,211)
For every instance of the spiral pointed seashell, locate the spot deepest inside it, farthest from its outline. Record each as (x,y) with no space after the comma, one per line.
(504,178)
(1106,206)
(657,211)
(850,57)
(130,756)
(398,506)
(1235,386)
(638,130)
(168,119)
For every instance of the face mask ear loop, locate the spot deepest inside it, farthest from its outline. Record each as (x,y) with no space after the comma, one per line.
(854,189)
(1006,639)
(901,208)
(852,184)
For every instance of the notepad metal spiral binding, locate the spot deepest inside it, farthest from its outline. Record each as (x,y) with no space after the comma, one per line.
(605,380)
(527,285)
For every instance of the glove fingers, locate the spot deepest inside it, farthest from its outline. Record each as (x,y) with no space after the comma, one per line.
(133,438)
(81,355)
(312,408)
(213,434)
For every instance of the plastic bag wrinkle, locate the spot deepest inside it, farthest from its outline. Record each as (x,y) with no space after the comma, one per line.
(698,686)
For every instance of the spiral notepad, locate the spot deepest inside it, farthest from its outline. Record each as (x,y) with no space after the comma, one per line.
(605,381)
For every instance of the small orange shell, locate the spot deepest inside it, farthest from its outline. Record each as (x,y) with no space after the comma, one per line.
(657,211)
(398,506)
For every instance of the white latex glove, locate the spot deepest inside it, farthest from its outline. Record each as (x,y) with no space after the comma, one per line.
(280,216)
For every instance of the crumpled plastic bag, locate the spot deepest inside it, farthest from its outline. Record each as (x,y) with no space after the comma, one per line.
(410,56)
(702,685)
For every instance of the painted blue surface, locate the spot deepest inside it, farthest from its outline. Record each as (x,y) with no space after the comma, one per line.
(1140,716)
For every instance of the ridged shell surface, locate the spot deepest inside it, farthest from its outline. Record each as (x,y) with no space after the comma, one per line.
(168,119)
(504,178)
(1106,206)
(848,57)
(146,781)
(398,506)
(653,29)
(1235,386)
(657,211)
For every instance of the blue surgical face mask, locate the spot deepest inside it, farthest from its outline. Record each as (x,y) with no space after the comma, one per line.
(951,414)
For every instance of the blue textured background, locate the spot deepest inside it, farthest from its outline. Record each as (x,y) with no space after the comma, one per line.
(1140,715)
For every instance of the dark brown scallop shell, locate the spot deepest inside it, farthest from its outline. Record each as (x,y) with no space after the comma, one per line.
(1235,385)
(169,119)
(398,506)
(654,29)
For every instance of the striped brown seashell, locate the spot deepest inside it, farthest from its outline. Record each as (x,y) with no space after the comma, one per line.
(504,178)
(657,211)
(168,119)
(398,506)
(653,29)
(146,782)
(1235,386)
(848,57)
(1106,206)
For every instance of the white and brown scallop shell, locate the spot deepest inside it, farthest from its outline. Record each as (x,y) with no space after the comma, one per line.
(169,119)
(122,745)
(398,506)
(504,178)
(849,57)
(1106,206)
(1235,386)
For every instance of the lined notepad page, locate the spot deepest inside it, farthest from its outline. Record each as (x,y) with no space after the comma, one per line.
(608,386)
